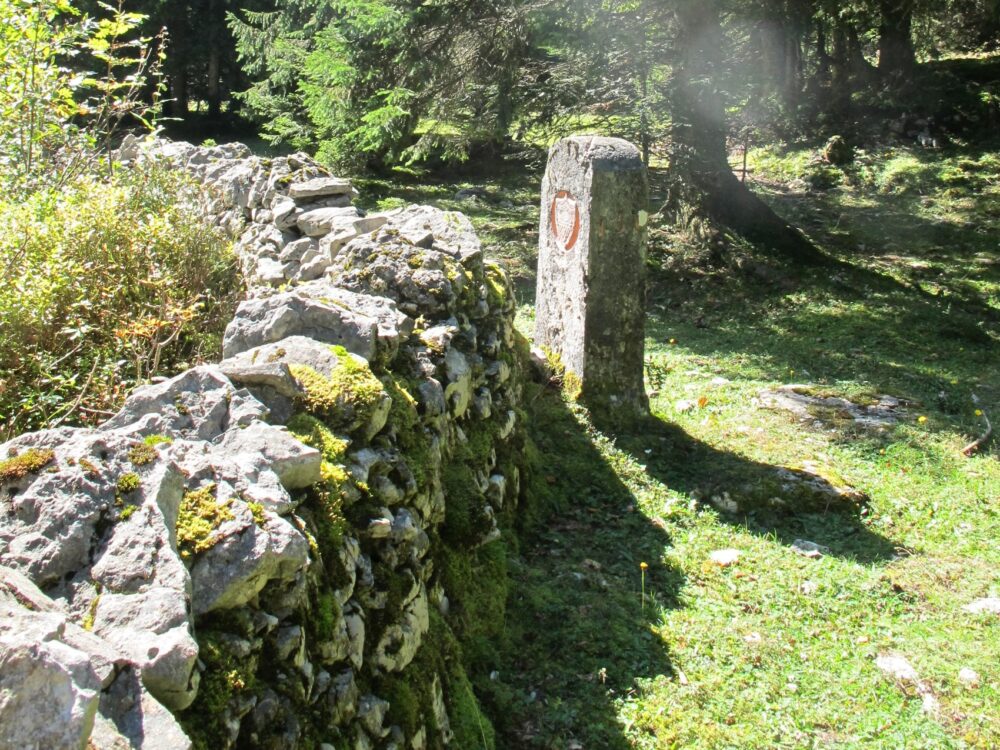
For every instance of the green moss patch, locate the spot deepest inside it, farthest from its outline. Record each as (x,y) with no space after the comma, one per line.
(347,397)
(325,500)
(29,462)
(142,454)
(413,441)
(316,434)
(127,483)
(257,511)
(200,515)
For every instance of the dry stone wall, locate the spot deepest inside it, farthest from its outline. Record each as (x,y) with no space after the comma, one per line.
(280,550)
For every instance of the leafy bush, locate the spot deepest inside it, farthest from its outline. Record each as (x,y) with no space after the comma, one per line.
(102,285)
(68,81)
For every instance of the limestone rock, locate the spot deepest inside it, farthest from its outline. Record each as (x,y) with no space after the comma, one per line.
(58,681)
(245,476)
(822,411)
(49,691)
(346,230)
(421,281)
(200,403)
(343,696)
(371,712)
(152,630)
(99,519)
(320,186)
(295,464)
(458,392)
(271,319)
(274,376)
(393,326)
(139,719)
(400,641)
(451,232)
(320,221)
(244,559)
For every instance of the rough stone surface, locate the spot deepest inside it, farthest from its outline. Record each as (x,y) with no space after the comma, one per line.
(199,404)
(57,680)
(74,530)
(591,255)
(320,186)
(271,319)
(321,221)
(831,410)
(244,559)
(300,557)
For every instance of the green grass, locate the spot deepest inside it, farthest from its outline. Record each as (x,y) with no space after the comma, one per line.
(778,650)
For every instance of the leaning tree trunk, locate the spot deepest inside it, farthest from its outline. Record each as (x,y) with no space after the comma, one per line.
(703,188)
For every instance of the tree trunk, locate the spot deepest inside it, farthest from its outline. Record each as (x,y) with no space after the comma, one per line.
(793,65)
(213,93)
(823,62)
(895,43)
(704,189)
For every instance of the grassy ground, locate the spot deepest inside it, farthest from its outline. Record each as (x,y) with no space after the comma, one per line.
(777,649)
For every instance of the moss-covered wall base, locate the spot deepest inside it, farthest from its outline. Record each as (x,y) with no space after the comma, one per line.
(379,640)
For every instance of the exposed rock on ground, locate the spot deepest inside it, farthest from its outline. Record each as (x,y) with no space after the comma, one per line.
(827,411)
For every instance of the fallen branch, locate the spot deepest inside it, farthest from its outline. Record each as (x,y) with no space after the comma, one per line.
(975,445)
(97,412)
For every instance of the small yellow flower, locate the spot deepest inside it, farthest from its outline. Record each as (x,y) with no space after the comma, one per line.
(921,419)
(673,341)
(979,412)
(643,565)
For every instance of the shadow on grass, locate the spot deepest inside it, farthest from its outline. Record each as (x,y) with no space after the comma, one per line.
(811,508)
(579,629)
(825,329)
(934,260)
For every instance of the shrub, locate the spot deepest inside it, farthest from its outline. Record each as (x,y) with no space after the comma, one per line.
(67,83)
(102,285)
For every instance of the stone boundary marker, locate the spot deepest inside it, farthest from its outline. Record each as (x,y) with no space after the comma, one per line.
(590,297)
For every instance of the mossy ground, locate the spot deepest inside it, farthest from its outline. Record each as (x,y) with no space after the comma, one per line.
(777,650)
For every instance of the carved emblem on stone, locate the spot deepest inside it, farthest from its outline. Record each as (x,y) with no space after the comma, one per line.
(565,219)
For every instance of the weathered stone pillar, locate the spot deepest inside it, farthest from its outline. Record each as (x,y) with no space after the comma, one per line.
(590,298)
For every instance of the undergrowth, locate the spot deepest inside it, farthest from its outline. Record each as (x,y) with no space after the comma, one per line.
(104,284)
